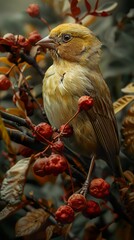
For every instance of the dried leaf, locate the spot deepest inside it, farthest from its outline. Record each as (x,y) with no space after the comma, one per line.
(128,89)
(88,6)
(75,10)
(4,70)
(122,102)
(49,232)
(31,223)
(9,209)
(16,111)
(129,176)
(5,136)
(14,181)
(127,198)
(5,61)
(128,132)
(20,104)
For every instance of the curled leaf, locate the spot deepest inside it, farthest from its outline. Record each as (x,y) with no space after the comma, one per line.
(5,136)
(128,132)
(14,181)
(129,176)
(122,102)
(31,223)
(129,88)
(49,232)
(127,197)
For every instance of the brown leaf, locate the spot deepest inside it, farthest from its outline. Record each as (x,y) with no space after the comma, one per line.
(129,88)
(49,232)
(31,223)
(20,104)
(129,176)
(5,136)
(16,111)
(14,181)
(122,102)
(4,69)
(5,61)
(128,132)
(9,209)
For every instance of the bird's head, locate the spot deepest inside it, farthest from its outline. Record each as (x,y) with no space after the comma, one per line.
(71,42)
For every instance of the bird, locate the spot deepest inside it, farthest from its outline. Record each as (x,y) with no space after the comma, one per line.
(75,72)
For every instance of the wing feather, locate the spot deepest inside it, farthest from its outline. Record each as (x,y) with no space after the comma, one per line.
(104,124)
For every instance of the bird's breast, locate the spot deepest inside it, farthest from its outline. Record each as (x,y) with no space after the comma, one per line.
(61,91)
(59,103)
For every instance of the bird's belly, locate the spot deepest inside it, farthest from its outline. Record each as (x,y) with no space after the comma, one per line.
(60,106)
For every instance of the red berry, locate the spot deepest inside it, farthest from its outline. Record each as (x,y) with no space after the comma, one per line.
(55,164)
(92,209)
(66,130)
(58,146)
(4,82)
(77,202)
(64,214)
(99,188)
(43,130)
(33,10)
(34,37)
(85,103)
(38,167)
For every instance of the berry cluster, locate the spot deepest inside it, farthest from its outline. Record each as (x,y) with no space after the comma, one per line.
(98,188)
(56,163)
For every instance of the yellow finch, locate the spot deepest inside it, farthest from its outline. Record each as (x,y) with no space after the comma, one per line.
(75,72)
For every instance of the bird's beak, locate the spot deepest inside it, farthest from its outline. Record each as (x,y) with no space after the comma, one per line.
(47,42)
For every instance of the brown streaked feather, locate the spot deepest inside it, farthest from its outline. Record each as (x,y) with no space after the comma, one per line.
(104,124)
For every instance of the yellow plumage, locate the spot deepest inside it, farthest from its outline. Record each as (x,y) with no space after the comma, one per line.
(75,72)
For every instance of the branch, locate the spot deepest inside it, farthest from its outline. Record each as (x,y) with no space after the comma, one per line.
(30,60)
(25,140)
(19,121)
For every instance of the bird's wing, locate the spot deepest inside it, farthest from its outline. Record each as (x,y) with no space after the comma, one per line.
(104,123)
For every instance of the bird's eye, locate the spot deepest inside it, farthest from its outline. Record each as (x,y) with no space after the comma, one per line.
(66,37)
